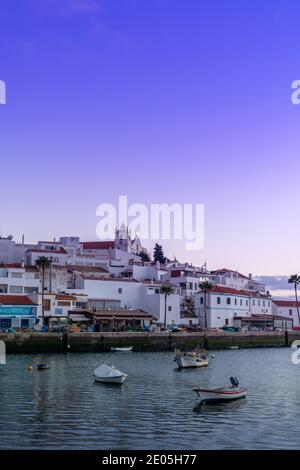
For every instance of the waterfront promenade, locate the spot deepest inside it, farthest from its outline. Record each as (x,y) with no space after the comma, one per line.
(30,342)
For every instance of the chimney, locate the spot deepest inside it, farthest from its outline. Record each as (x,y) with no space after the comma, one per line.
(250,276)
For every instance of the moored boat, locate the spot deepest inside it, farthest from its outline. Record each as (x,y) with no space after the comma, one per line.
(190,359)
(220,394)
(109,374)
(125,349)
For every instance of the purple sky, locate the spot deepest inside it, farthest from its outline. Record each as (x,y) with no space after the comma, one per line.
(160,100)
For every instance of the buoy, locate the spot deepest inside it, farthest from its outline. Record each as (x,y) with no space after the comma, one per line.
(29,368)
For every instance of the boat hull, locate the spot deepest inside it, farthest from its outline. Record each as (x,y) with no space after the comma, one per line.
(111,380)
(217,396)
(187,362)
(122,349)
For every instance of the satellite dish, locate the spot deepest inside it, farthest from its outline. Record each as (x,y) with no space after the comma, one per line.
(10,237)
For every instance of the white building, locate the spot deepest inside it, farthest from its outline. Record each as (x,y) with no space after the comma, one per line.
(223,304)
(19,279)
(235,280)
(288,309)
(131,294)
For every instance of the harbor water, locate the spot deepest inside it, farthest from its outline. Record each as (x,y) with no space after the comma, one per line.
(63,408)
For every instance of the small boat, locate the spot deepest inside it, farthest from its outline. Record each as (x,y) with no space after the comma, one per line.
(109,374)
(220,394)
(233,347)
(189,359)
(125,349)
(39,366)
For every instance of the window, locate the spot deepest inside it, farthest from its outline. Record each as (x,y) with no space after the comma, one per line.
(30,290)
(191,286)
(47,305)
(120,290)
(3,289)
(253,302)
(218,300)
(241,301)
(24,323)
(290,312)
(228,300)
(63,304)
(226,321)
(247,303)
(264,303)
(235,301)
(17,275)
(157,291)
(16,290)
(170,308)
(201,300)
(196,286)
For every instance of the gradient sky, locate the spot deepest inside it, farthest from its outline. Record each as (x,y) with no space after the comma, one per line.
(161,100)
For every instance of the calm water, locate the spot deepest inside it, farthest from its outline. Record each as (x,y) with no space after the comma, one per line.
(62,408)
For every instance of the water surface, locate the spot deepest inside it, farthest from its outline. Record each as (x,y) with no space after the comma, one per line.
(63,408)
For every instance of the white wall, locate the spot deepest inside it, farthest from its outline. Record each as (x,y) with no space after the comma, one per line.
(218,313)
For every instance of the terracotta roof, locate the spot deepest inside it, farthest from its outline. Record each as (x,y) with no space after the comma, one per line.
(286,303)
(7,299)
(263,318)
(55,252)
(251,293)
(79,268)
(64,297)
(103,245)
(227,290)
(122,314)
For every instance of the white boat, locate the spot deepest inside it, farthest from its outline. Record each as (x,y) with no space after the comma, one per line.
(109,374)
(233,347)
(220,394)
(126,349)
(196,358)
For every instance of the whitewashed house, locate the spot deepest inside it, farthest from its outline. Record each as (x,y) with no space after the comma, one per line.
(286,308)
(223,304)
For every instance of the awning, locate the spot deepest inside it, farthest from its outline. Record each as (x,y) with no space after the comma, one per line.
(78,318)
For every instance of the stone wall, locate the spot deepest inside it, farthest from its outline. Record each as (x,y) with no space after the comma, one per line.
(97,342)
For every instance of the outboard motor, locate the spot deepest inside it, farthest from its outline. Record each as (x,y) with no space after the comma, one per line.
(234,382)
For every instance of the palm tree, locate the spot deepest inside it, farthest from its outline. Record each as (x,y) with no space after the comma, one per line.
(42,264)
(295,280)
(205,286)
(166,290)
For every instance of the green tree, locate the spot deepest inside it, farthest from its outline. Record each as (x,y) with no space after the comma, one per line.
(42,264)
(144,255)
(158,254)
(295,280)
(166,290)
(205,286)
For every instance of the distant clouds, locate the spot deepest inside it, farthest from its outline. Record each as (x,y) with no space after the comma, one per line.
(278,285)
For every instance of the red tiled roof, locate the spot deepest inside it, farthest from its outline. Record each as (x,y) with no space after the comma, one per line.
(64,297)
(122,314)
(105,245)
(286,303)
(263,318)
(61,251)
(227,290)
(7,299)
(12,265)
